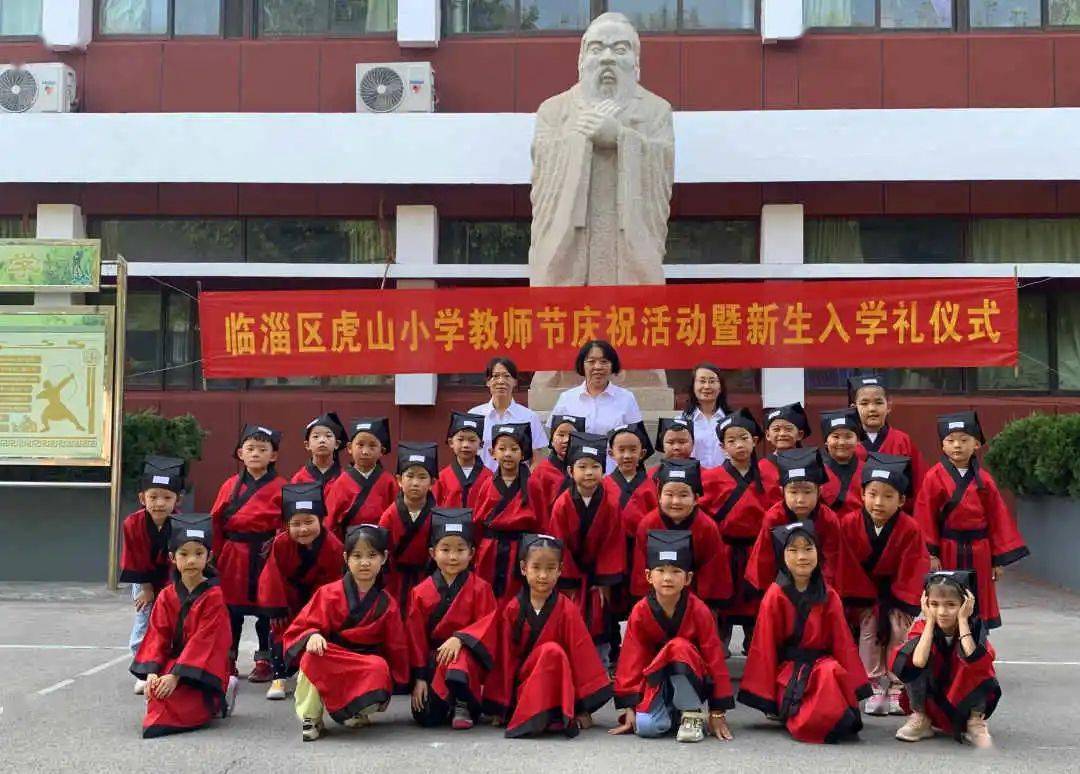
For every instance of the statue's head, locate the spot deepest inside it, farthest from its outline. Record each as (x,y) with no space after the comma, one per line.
(609,63)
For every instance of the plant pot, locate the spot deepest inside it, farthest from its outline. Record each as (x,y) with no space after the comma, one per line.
(1051,529)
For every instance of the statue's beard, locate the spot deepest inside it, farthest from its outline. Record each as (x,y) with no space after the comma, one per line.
(598,84)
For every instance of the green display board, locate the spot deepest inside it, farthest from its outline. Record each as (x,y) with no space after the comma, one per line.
(50,264)
(56,387)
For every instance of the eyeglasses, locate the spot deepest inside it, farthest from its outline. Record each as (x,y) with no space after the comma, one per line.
(598,363)
(501,378)
(707,382)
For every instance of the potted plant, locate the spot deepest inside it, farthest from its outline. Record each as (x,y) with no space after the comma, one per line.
(1038,459)
(147,432)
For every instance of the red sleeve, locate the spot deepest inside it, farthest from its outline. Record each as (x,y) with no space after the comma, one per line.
(338,498)
(914,564)
(633,658)
(154,651)
(494,641)
(761,564)
(541,504)
(135,563)
(323,614)
(222,499)
(481,637)
(758,686)
(592,685)
(416,634)
(713,575)
(932,496)
(843,646)
(1006,542)
(204,659)
(396,645)
(712,651)
(607,537)
(272,598)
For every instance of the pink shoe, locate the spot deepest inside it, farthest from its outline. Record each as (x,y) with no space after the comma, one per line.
(977,734)
(462,718)
(877,704)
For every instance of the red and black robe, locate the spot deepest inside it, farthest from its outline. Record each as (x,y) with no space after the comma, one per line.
(761,567)
(410,561)
(803,666)
(189,636)
(712,568)
(356,499)
(144,557)
(593,555)
(968,527)
(737,505)
(770,480)
(843,490)
(636,497)
(310,474)
(553,478)
(292,574)
(887,571)
(366,657)
(957,683)
(456,490)
(503,515)
(656,647)
(246,517)
(438,611)
(893,441)
(546,670)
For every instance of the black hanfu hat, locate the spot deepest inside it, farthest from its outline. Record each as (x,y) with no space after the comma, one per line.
(856,383)
(331,422)
(793,413)
(669,547)
(473,423)
(681,471)
(567,419)
(422,454)
(803,464)
(740,418)
(519,431)
(376,426)
(451,522)
(845,418)
(586,446)
(190,528)
(163,473)
(785,533)
(302,498)
(892,469)
(668,424)
(960,422)
(250,431)
(638,429)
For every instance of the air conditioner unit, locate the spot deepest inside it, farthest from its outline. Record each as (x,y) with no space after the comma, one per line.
(48,87)
(395,87)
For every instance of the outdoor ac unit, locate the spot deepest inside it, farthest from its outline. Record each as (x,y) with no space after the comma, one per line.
(395,87)
(37,88)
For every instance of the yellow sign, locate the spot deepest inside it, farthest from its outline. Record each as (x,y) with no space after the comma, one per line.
(50,264)
(56,386)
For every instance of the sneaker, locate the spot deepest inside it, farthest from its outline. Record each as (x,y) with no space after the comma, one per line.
(311,729)
(894,704)
(878,704)
(462,717)
(140,687)
(916,729)
(262,672)
(977,734)
(276,691)
(692,728)
(359,720)
(229,705)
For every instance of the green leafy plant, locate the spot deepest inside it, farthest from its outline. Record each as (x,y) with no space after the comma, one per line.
(1038,455)
(147,432)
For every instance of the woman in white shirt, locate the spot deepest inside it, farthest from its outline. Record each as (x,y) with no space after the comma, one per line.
(502,378)
(604,405)
(706,407)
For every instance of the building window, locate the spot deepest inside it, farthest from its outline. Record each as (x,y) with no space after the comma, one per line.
(1025,240)
(883,240)
(466,16)
(160,340)
(178,239)
(317,240)
(1006,13)
(1068,341)
(838,13)
(20,18)
(467,241)
(949,380)
(327,17)
(662,15)
(180,18)
(17,228)
(1065,13)
(916,14)
(712,241)
(1032,373)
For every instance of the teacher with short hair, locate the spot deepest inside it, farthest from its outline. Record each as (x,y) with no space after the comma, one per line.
(501,378)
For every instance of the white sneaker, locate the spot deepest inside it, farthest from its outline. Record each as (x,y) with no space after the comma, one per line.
(276,691)
(230,697)
(140,687)
(360,720)
(878,704)
(311,729)
(692,728)
(916,729)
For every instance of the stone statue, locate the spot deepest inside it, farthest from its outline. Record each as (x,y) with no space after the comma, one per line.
(603,158)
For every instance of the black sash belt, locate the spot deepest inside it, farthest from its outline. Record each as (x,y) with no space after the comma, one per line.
(506,540)
(804,660)
(256,559)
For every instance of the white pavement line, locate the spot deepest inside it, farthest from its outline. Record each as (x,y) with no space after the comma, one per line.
(5,646)
(106,665)
(1039,663)
(56,687)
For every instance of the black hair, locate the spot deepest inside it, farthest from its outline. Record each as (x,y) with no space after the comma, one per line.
(375,538)
(505,362)
(936,579)
(721,399)
(603,346)
(538,542)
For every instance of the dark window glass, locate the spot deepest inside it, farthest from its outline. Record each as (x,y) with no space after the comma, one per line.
(1065,13)
(712,241)
(478,15)
(917,14)
(151,17)
(170,240)
(1006,13)
(1068,341)
(17,228)
(1033,371)
(467,241)
(180,339)
(648,15)
(883,240)
(321,17)
(317,240)
(719,14)
(838,13)
(142,346)
(554,14)
(932,379)
(1025,240)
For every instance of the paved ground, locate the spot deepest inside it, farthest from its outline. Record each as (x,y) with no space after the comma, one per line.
(67,705)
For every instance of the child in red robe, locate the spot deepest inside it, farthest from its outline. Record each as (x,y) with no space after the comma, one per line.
(786,428)
(803,668)
(247,516)
(546,674)
(675,438)
(883,582)
(408,521)
(672,661)
(680,487)
(448,668)
(963,516)
(506,508)
(842,490)
(302,558)
(735,497)
(947,665)
(144,558)
(349,642)
(324,438)
(801,475)
(552,473)
(363,490)
(867,394)
(184,657)
(587,522)
(459,482)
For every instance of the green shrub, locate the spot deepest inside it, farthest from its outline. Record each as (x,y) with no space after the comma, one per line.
(147,432)
(1038,455)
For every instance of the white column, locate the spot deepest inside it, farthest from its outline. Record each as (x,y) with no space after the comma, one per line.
(417,242)
(781,20)
(59,221)
(782,243)
(419,23)
(67,24)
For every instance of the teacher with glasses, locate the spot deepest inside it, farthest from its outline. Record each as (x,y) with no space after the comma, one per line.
(501,377)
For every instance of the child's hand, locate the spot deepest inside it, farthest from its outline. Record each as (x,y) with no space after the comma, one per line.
(144,599)
(968,607)
(719,727)
(164,686)
(151,681)
(316,644)
(584,720)
(927,613)
(627,722)
(998,573)
(419,695)
(935,564)
(448,651)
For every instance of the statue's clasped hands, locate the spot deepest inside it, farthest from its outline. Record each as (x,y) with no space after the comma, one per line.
(599,123)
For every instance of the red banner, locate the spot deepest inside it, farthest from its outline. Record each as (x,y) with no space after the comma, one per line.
(818,324)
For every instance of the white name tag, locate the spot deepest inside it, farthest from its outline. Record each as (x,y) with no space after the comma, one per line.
(195,533)
(161,479)
(304,505)
(879,474)
(589,450)
(506,429)
(364,426)
(956,425)
(838,422)
(416,458)
(453,527)
(680,422)
(797,472)
(796,525)
(774,414)
(871,381)
(677,474)
(266,430)
(725,423)
(669,556)
(546,537)
(468,423)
